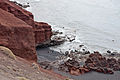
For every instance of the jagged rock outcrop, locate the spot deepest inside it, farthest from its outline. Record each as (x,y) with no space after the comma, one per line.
(42,30)
(17,36)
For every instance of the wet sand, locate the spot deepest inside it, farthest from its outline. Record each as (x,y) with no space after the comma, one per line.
(46,54)
(50,55)
(93,76)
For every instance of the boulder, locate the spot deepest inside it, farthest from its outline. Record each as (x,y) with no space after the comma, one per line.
(75,71)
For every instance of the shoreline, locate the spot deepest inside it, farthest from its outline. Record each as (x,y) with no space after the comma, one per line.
(76,63)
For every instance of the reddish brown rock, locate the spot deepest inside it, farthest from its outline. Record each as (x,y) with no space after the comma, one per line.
(42,30)
(17,11)
(17,35)
(96,60)
(75,71)
(116,67)
(78,71)
(111,62)
(84,70)
(119,61)
(99,63)
(73,67)
(19,31)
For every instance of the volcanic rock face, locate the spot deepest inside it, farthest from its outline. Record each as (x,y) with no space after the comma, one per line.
(17,35)
(42,30)
(19,31)
(17,11)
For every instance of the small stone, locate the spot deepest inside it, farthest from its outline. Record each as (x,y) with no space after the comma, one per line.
(8,67)
(74,71)
(35,66)
(22,78)
(37,72)
(66,53)
(81,45)
(108,51)
(87,52)
(119,60)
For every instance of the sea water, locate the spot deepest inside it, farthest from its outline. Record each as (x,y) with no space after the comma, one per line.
(94,23)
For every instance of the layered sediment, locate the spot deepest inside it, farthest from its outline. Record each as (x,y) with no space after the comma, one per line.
(19,31)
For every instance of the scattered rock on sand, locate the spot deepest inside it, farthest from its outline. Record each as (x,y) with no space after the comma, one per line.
(95,62)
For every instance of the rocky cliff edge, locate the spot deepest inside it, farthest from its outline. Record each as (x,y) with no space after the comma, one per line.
(19,32)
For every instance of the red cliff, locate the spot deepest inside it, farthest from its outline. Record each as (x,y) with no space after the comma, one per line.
(17,35)
(19,31)
(42,30)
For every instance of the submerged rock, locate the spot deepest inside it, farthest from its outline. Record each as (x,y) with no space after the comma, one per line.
(53,42)
(56,32)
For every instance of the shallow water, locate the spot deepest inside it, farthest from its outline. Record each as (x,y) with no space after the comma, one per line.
(95,23)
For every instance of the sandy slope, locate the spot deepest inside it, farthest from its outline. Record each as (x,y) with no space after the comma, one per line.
(13,69)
